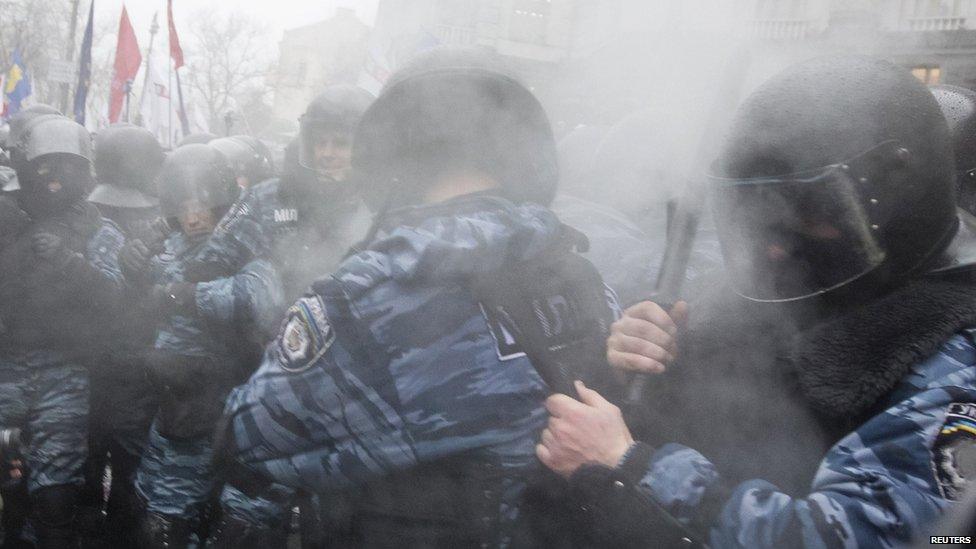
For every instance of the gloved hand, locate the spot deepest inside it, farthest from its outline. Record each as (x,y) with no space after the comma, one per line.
(134,259)
(51,248)
(47,246)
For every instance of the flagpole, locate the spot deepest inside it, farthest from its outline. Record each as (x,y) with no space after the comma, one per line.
(70,55)
(153,29)
(169,98)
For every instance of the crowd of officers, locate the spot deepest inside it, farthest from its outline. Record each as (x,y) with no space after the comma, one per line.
(408,336)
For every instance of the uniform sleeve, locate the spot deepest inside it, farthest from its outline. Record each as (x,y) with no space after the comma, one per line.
(880,486)
(252,296)
(310,417)
(239,237)
(96,275)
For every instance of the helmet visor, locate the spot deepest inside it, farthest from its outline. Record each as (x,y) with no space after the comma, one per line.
(796,236)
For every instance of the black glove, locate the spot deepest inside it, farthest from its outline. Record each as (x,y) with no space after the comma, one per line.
(50,247)
(134,259)
(159,230)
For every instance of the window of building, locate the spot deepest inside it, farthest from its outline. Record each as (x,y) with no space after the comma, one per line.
(301,73)
(928,74)
(530,21)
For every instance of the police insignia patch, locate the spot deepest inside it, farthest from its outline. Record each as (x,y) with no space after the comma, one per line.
(954,451)
(305,335)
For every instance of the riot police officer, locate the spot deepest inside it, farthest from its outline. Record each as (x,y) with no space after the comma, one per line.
(822,396)
(127,161)
(393,378)
(306,219)
(204,322)
(303,222)
(61,289)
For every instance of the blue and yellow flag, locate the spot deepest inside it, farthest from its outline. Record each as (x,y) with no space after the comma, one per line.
(17,86)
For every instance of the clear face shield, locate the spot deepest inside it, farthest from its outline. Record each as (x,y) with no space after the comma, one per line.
(791,237)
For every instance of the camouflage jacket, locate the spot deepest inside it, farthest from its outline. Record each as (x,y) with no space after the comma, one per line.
(69,306)
(882,485)
(860,425)
(268,223)
(389,364)
(250,296)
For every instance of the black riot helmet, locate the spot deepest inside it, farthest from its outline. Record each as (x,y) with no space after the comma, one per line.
(199,174)
(54,164)
(127,161)
(454,109)
(247,157)
(334,113)
(959,107)
(19,122)
(834,169)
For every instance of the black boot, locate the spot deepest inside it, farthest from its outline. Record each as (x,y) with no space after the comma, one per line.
(233,533)
(53,511)
(16,504)
(158,531)
(124,505)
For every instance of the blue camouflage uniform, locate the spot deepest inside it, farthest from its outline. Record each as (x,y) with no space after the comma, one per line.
(52,327)
(389,365)
(176,477)
(773,430)
(882,485)
(268,222)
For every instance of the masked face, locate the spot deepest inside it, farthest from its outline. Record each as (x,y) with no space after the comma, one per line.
(196,220)
(54,184)
(333,155)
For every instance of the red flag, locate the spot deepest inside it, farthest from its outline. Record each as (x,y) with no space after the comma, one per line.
(127,61)
(175,51)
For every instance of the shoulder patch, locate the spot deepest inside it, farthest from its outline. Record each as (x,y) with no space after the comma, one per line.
(954,451)
(305,335)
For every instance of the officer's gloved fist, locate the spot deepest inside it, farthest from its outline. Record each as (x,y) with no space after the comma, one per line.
(178,297)
(159,229)
(134,259)
(49,247)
